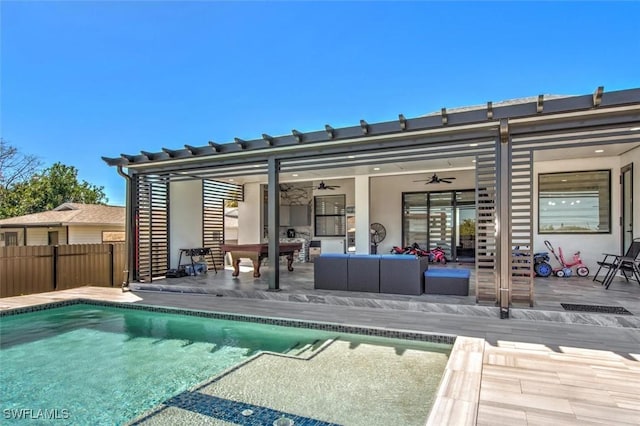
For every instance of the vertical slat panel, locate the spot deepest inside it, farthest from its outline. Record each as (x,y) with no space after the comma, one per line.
(25,270)
(30,269)
(119,263)
(214,195)
(521,214)
(486,187)
(83,264)
(152,227)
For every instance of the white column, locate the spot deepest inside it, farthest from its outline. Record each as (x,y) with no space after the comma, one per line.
(185,217)
(363,237)
(250,215)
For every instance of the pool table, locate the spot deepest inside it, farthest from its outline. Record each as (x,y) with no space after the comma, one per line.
(257,252)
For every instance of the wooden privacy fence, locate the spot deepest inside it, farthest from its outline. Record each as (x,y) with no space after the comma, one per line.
(38,269)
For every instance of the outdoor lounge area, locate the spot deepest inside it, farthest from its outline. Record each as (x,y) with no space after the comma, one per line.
(479,184)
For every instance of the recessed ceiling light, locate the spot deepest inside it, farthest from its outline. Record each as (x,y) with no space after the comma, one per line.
(351,156)
(256,165)
(473,144)
(473,161)
(230,180)
(635,129)
(295,175)
(599,150)
(376,168)
(564,180)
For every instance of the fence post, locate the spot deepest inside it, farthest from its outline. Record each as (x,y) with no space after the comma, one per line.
(55,267)
(111,263)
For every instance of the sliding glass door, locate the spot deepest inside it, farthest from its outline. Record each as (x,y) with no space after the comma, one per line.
(444,219)
(441,220)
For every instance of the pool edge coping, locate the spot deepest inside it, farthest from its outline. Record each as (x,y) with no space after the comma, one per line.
(453,402)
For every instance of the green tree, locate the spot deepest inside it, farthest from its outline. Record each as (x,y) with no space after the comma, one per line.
(48,189)
(468,227)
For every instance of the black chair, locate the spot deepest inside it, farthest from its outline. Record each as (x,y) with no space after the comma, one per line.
(614,263)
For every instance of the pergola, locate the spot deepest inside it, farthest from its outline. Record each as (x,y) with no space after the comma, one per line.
(501,137)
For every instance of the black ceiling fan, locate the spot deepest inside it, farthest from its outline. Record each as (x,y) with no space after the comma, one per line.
(322,186)
(436,179)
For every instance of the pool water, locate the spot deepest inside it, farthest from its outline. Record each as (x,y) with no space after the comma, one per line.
(87,364)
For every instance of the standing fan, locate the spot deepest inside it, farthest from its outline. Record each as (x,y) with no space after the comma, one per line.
(378,232)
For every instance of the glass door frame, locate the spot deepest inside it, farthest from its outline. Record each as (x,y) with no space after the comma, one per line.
(454,217)
(626,208)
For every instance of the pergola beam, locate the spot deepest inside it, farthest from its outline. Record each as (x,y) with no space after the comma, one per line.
(403,122)
(597,96)
(540,103)
(299,136)
(364,126)
(330,131)
(240,142)
(268,139)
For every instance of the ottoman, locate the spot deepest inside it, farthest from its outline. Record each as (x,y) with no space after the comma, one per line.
(447,281)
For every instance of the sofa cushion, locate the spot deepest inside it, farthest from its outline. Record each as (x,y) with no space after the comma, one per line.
(402,274)
(330,271)
(363,273)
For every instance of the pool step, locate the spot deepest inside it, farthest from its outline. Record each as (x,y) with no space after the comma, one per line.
(306,349)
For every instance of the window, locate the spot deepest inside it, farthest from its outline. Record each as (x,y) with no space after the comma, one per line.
(52,238)
(329,216)
(574,202)
(10,239)
(113,236)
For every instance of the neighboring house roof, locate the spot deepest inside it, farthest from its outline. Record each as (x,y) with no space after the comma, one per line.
(71,214)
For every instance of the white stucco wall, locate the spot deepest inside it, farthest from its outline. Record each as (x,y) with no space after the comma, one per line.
(592,246)
(250,215)
(347,187)
(185,218)
(250,211)
(386,205)
(386,199)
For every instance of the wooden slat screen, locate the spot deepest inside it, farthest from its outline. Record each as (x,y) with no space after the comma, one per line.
(214,194)
(152,227)
(486,243)
(521,217)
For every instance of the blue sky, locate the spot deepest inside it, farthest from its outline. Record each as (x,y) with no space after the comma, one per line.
(81,79)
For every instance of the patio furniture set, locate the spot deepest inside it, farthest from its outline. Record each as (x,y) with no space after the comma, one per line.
(392,273)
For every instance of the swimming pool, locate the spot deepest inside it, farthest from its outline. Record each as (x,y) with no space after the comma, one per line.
(93,364)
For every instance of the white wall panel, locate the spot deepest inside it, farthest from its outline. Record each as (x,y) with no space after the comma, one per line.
(591,246)
(250,215)
(185,217)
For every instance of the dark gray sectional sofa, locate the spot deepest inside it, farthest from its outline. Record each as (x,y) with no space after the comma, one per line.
(395,273)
